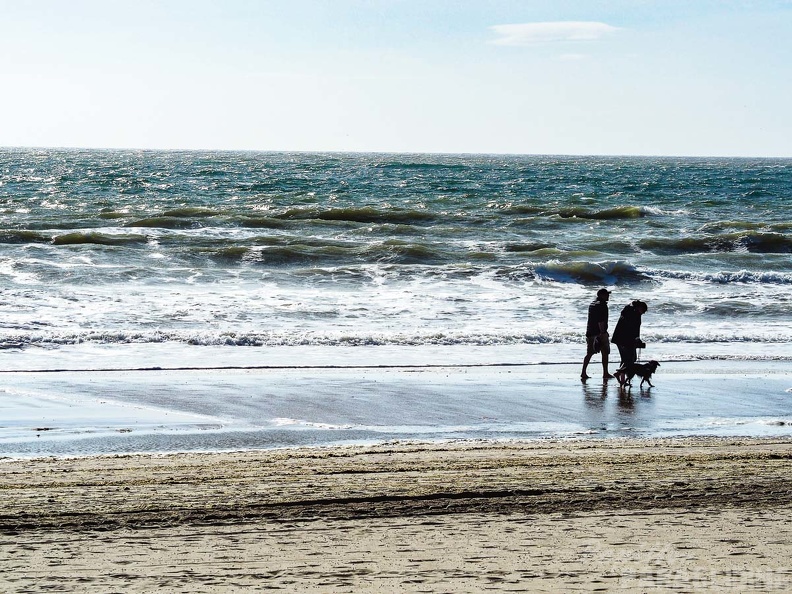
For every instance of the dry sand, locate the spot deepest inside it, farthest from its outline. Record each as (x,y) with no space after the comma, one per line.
(635,516)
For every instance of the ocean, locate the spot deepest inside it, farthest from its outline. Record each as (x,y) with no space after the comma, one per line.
(246,249)
(122,259)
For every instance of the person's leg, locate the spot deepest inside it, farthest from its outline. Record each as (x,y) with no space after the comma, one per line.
(624,355)
(605,349)
(587,358)
(629,355)
(605,373)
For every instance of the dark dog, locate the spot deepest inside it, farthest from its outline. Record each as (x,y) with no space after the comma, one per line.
(642,370)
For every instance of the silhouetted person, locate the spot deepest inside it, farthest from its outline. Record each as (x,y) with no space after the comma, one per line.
(627,335)
(597,333)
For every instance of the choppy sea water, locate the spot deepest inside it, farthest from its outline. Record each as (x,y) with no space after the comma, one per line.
(282,249)
(122,258)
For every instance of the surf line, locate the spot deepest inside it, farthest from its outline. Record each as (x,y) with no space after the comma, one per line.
(283,367)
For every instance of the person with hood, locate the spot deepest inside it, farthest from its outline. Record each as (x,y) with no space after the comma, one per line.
(627,335)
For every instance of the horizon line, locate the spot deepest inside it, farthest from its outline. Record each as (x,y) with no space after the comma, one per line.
(393,152)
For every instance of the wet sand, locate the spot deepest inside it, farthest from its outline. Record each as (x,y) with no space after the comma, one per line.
(93,412)
(635,515)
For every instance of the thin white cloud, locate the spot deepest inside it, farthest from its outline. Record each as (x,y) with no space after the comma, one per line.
(551,32)
(573,57)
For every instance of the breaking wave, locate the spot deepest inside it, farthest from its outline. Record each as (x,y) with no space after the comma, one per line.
(109,239)
(165,222)
(615,213)
(308,251)
(302,339)
(611,272)
(740,276)
(365,214)
(23,236)
(749,241)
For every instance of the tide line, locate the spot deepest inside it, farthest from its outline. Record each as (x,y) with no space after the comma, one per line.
(285,367)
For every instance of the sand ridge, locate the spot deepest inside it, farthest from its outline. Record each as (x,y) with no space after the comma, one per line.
(391,480)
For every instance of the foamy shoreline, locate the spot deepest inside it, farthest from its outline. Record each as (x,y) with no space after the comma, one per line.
(688,513)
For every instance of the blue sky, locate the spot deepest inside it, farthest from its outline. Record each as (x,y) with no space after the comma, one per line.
(648,77)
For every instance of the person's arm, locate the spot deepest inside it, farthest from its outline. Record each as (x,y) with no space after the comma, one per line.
(603,322)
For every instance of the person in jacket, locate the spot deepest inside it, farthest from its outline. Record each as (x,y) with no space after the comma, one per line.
(627,335)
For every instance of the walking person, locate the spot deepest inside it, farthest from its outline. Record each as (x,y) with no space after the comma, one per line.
(627,335)
(597,333)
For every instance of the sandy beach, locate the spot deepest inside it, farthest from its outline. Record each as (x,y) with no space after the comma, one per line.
(708,514)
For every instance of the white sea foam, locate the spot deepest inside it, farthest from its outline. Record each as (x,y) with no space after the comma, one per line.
(657,211)
(254,339)
(297,423)
(739,276)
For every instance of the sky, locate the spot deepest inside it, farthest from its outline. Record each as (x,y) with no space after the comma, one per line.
(605,77)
